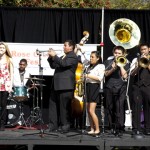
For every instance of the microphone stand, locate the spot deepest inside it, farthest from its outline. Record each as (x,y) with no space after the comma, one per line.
(83,111)
(101,92)
(138,135)
(41,133)
(102,110)
(128,103)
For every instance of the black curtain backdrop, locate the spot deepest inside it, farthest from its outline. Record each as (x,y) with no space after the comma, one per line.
(45,25)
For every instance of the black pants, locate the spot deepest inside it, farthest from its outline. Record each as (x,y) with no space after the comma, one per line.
(115,106)
(3,104)
(141,96)
(60,108)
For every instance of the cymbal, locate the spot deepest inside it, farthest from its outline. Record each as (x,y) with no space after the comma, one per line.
(38,85)
(34,78)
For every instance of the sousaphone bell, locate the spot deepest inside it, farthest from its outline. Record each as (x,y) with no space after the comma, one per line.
(124,32)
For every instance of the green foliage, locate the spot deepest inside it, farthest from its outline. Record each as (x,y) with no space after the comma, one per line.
(130,4)
(110,4)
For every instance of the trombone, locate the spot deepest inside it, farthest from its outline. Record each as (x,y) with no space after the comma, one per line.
(144,62)
(140,62)
(121,61)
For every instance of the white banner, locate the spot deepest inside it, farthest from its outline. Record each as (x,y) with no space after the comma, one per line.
(28,51)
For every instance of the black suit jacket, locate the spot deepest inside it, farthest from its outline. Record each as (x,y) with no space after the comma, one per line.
(64,75)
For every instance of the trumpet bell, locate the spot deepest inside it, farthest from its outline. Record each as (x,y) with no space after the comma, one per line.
(124,32)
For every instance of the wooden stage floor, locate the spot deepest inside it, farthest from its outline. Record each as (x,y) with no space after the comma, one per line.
(21,138)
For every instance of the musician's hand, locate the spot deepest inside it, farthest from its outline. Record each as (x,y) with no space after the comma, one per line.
(136,64)
(114,66)
(32,87)
(120,65)
(51,52)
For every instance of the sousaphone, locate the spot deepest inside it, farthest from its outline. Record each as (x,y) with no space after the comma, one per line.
(125,32)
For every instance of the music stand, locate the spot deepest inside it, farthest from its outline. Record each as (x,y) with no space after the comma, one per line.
(41,122)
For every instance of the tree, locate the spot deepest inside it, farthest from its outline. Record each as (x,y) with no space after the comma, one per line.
(108,4)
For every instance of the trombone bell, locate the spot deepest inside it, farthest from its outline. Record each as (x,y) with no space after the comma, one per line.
(121,61)
(124,32)
(144,62)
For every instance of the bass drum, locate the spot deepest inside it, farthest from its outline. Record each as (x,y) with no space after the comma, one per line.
(13,112)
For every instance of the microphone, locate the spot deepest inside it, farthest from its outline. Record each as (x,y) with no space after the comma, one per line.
(86,62)
(37,52)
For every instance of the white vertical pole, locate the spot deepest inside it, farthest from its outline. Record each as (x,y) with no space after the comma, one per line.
(102,39)
(102,33)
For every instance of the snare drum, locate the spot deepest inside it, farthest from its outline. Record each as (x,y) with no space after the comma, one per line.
(20,93)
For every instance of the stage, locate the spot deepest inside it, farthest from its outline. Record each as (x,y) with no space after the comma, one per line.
(39,137)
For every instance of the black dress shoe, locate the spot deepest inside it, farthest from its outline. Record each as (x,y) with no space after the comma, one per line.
(2,128)
(147,132)
(136,132)
(65,128)
(59,129)
(64,131)
(52,128)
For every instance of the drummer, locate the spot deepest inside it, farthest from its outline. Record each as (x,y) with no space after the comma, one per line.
(22,83)
(21,74)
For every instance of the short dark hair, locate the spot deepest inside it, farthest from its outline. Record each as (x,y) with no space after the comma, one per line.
(120,48)
(23,60)
(71,43)
(144,44)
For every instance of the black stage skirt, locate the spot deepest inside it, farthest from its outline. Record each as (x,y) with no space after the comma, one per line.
(92,92)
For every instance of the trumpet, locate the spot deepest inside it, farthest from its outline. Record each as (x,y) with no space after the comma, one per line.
(121,61)
(144,62)
(38,52)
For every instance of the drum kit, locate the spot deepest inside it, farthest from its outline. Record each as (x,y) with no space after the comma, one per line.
(15,105)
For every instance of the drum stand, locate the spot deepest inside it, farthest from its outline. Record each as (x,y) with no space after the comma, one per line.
(35,113)
(21,120)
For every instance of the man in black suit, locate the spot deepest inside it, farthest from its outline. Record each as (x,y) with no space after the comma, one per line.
(140,71)
(63,87)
